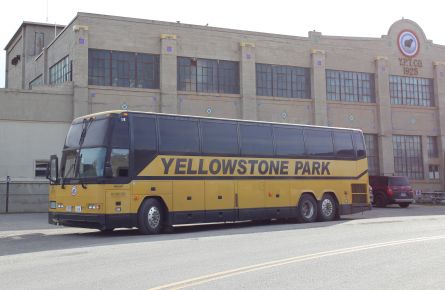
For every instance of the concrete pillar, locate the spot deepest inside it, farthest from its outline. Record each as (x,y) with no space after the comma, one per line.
(169,74)
(386,153)
(79,70)
(439,101)
(248,81)
(318,87)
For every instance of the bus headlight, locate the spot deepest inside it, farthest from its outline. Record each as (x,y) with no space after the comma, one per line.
(52,204)
(60,205)
(93,206)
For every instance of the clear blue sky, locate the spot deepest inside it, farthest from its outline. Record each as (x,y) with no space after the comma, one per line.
(341,17)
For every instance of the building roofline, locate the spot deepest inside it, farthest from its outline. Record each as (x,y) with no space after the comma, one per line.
(25,23)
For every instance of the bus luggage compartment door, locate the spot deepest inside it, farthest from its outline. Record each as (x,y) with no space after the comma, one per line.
(220,200)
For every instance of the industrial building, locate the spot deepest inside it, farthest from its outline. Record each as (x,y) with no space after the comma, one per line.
(392,87)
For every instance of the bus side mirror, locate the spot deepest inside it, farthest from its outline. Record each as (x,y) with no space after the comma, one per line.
(108,171)
(52,171)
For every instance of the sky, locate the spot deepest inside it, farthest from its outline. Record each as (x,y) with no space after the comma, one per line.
(341,17)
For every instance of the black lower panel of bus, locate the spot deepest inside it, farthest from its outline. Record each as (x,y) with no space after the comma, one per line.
(102,221)
(93,221)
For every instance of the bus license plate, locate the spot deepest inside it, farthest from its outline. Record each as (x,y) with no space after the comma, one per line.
(69,208)
(403,194)
(78,208)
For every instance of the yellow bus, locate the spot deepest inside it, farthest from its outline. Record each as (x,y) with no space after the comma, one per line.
(151,170)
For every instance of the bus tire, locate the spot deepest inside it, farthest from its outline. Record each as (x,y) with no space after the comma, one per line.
(150,217)
(307,209)
(327,208)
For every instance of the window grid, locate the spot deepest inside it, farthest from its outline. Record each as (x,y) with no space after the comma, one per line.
(208,75)
(123,69)
(408,156)
(372,151)
(433,172)
(282,81)
(350,86)
(60,72)
(433,150)
(40,168)
(39,42)
(411,91)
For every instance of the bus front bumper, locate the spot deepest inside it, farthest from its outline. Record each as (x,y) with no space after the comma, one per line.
(93,221)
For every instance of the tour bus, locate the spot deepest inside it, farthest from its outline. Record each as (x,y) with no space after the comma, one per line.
(124,169)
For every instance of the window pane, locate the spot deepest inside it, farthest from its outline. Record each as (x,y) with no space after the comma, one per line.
(343,145)
(119,162)
(219,138)
(256,139)
(408,156)
(178,135)
(372,153)
(289,141)
(147,71)
(123,69)
(206,76)
(120,137)
(359,145)
(350,86)
(145,140)
(318,142)
(411,91)
(228,77)
(99,72)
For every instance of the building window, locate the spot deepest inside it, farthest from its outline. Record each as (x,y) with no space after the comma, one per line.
(38,81)
(408,156)
(434,172)
(123,69)
(282,81)
(411,91)
(60,72)
(372,150)
(347,86)
(39,42)
(433,150)
(208,75)
(40,168)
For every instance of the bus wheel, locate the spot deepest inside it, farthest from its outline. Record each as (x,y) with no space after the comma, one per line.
(307,209)
(327,209)
(150,217)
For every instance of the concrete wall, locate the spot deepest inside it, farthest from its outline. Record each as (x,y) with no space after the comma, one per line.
(24,197)
(14,72)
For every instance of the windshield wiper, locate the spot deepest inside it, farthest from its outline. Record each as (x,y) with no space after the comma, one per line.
(85,126)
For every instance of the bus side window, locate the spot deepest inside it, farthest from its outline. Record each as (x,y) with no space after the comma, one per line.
(143,130)
(256,139)
(219,137)
(288,141)
(318,143)
(119,157)
(359,145)
(178,135)
(343,145)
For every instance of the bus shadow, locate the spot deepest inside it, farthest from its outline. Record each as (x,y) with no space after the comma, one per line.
(40,241)
(70,238)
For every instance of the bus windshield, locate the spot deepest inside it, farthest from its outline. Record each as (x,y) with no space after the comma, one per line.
(85,149)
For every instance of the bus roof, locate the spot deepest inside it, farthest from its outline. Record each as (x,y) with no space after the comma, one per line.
(204,117)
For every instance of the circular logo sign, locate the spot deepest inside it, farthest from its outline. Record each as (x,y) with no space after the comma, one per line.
(73,190)
(408,43)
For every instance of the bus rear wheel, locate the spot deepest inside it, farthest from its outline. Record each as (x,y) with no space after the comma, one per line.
(327,210)
(307,209)
(150,217)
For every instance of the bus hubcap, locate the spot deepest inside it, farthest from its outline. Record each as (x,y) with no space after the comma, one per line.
(327,207)
(308,209)
(154,217)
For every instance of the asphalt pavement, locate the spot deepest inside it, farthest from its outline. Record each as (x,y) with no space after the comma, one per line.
(389,248)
